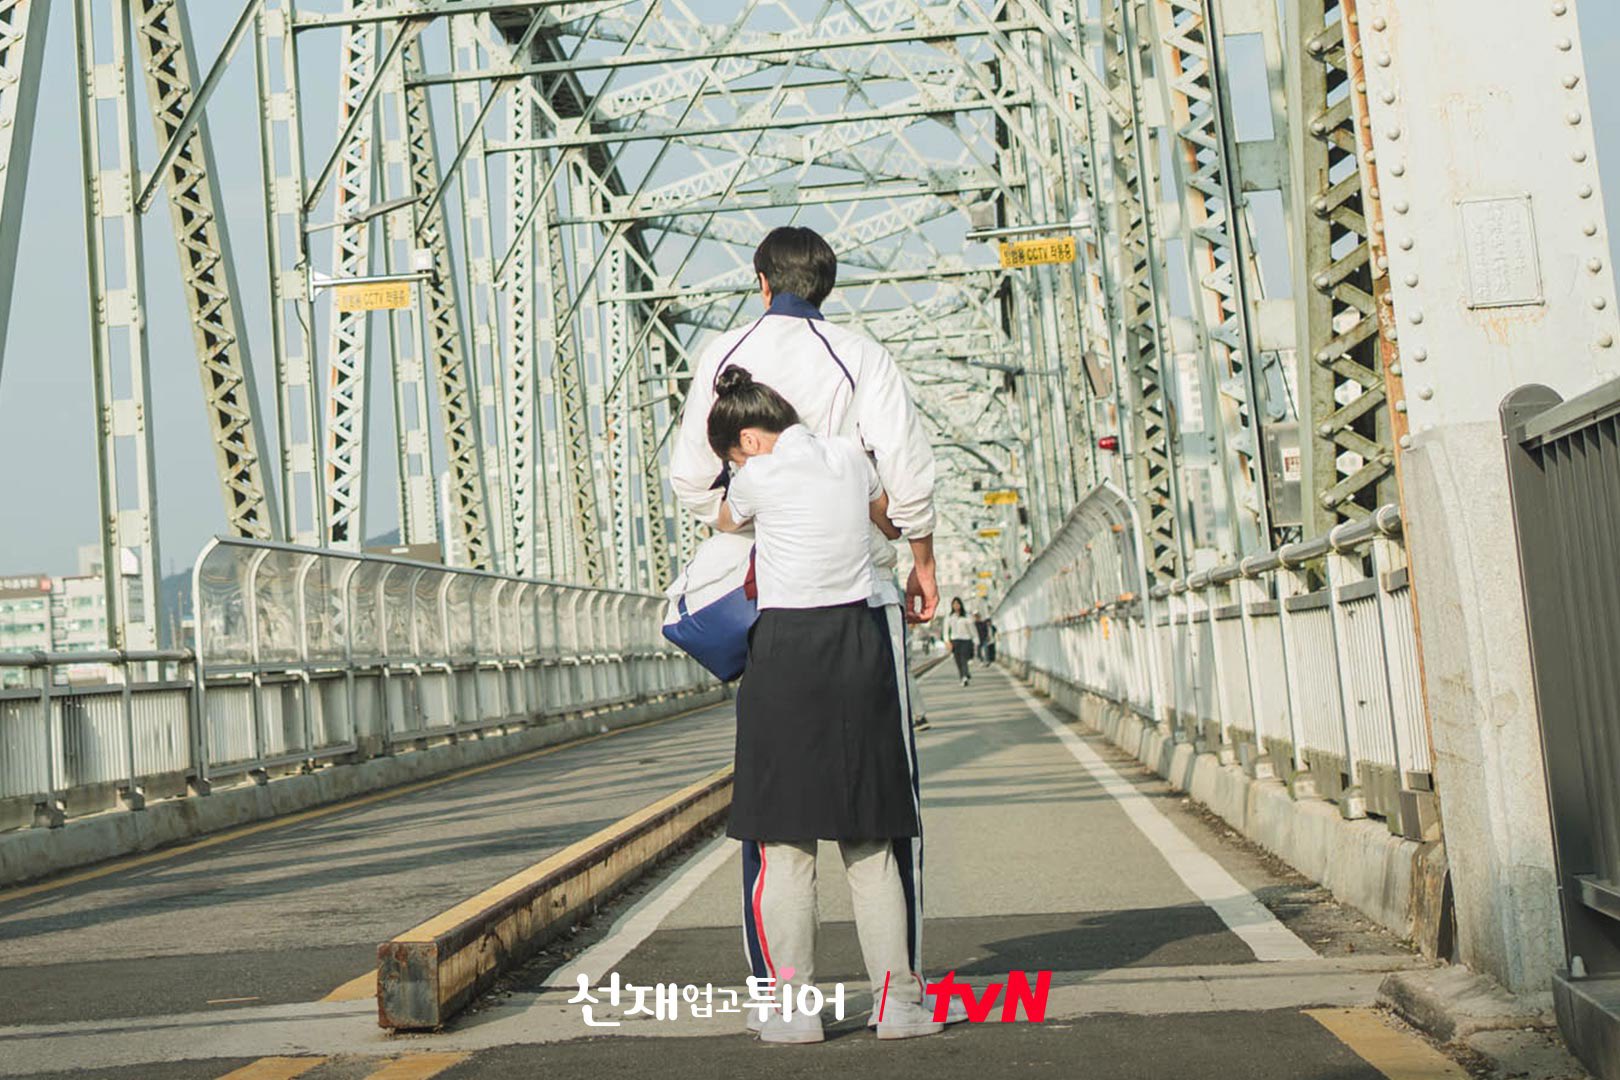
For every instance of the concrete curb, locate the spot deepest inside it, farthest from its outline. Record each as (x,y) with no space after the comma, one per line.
(1452,1003)
(1397,883)
(428,974)
(28,854)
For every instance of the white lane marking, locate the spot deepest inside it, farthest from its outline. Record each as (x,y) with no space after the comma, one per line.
(648,913)
(1237,907)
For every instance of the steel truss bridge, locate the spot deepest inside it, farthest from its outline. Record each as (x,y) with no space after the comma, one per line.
(572,191)
(1297,481)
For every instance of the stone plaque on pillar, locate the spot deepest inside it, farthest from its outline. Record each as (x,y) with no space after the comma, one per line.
(1499,240)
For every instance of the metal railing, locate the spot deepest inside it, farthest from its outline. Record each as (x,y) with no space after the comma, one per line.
(1299,663)
(305,655)
(1563,461)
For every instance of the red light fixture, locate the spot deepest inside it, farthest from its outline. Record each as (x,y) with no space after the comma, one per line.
(1108,442)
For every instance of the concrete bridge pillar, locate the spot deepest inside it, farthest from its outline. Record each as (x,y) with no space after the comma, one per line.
(1496,251)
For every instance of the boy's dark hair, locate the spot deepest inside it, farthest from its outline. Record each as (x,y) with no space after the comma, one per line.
(740,402)
(797,260)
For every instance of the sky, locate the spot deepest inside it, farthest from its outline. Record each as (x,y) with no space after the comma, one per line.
(47,450)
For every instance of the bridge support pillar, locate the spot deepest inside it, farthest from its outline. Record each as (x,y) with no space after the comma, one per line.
(1482,182)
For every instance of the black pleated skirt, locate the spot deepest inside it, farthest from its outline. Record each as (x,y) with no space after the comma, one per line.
(821,742)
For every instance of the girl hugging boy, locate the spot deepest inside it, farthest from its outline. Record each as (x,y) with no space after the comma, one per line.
(821,746)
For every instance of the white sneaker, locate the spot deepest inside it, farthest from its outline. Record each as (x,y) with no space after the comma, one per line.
(907,1020)
(801,1028)
(955,1013)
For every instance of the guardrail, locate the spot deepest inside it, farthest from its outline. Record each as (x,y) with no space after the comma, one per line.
(1299,663)
(1563,462)
(305,655)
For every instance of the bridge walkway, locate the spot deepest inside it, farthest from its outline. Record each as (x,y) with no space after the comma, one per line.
(1175,948)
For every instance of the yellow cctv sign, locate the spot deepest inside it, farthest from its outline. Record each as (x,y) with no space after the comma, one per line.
(989,534)
(1018,253)
(373,296)
(984,590)
(987,573)
(1000,498)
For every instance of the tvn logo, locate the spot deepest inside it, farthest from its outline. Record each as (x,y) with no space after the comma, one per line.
(1019,996)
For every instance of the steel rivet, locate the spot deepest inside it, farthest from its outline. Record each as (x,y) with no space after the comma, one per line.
(1321,281)
(1325,429)
(1572,118)
(1402,206)
(1371,154)
(1393,133)
(1379,22)
(1383,262)
(1395,368)
(1411,281)
(1314,45)
(1426,393)
(1400,406)
(1387,97)
(1372,193)
(1361,86)
(1564,44)
(1606,341)
(1590,228)
(1559,8)
(1318,128)
(1416,317)
(1599,302)
(1584,191)
(1578,155)
(1420,355)
(1383,59)
(1406,442)
(1595,265)
(1406,243)
(1398,169)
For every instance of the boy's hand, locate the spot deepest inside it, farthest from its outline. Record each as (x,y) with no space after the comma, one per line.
(922,588)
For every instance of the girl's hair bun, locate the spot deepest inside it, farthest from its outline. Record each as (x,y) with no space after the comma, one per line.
(733,380)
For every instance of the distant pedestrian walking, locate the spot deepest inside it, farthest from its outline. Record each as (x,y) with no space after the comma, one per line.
(959,632)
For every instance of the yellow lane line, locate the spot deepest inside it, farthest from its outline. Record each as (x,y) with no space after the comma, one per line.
(417,1066)
(1396,1054)
(356,989)
(275,1068)
(136,861)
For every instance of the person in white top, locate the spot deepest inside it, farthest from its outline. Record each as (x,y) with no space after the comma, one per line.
(839,383)
(811,546)
(818,757)
(959,632)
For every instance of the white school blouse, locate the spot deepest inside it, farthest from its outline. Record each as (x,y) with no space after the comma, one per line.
(841,383)
(958,628)
(809,500)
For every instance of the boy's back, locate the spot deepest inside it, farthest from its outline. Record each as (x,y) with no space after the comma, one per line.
(809,499)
